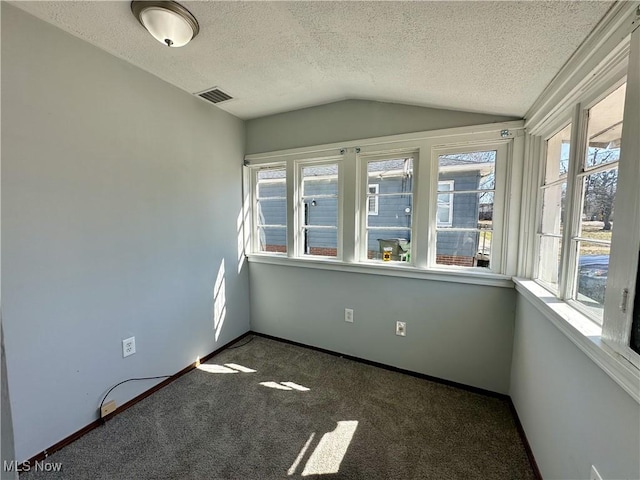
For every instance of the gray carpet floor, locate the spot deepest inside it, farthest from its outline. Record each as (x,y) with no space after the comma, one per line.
(356,421)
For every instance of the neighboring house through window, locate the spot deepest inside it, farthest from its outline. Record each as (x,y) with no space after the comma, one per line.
(270,201)
(389,230)
(401,202)
(372,199)
(445,203)
(319,208)
(465,211)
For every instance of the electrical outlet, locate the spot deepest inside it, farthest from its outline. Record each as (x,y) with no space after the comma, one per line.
(348,315)
(107,408)
(401,329)
(128,346)
(594,474)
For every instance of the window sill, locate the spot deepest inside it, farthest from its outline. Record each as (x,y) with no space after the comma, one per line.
(584,333)
(395,269)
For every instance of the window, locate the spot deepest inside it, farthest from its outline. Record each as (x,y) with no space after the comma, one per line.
(582,222)
(271,210)
(465,211)
(381,202)
(597,184)
(319,209)
(388,234)
(445,204)
(372,205)
(554,196)
(587,223)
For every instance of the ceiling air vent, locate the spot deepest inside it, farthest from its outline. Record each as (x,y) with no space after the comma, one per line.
(215,95)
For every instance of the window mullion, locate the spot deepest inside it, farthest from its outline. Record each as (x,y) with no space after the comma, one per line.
(538,156)
(425,218)
(574,202)
(293,222)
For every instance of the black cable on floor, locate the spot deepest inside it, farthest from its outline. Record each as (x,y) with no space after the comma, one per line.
(152,378)
(242,345)
(125,381)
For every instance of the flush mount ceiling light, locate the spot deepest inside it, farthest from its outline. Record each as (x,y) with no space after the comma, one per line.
(169,22)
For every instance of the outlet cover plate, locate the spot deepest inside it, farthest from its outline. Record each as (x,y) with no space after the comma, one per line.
(128,346)
(348,315)
(108,408)
(401,329)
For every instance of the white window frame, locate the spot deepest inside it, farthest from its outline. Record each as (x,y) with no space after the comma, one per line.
(363,161)
(299,208)
(255,235)
(376,191)
(448,204)
(503,182)
(578,173)
(607,345)
(354,204)
(578,118)
(566,120)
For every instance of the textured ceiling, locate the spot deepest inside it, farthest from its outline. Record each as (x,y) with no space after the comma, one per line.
(490,57)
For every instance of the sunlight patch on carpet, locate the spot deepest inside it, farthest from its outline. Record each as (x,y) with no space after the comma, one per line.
(331,449)
(240,368)
(300,456)
(209,368)
(295,386)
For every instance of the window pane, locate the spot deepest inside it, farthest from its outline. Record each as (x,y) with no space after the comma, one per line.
(469,171)
(321,242)
(444,215)
(549,259)
(272,183)
(470,210)
(553,207)
(445,186)
(389,245)
(605,129)
(372,200)
(272,239)
(320,180)
(383,169)
(321,211)
(272,212)
(465,249)
(444,198)
(558,150)
(393,211)
(390,229)
(599,193)
(593,267)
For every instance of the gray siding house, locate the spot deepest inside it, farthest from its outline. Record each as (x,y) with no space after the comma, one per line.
(389,205)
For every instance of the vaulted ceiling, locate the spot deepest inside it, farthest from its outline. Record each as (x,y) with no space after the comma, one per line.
(490,57)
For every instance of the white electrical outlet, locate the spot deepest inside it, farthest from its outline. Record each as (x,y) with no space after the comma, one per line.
(401,329)
(594,474)
(128,346)
(348,315)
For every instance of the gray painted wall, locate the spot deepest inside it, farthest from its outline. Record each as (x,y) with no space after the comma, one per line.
(120,197)
(351,120)
(457,332)
(574,414)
